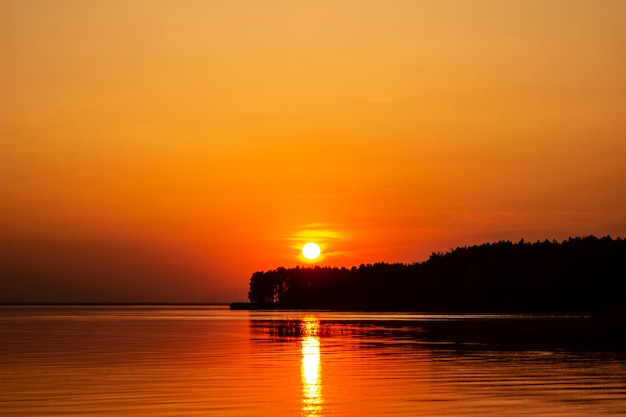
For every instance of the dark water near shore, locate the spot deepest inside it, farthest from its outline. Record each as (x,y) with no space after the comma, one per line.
(205,361)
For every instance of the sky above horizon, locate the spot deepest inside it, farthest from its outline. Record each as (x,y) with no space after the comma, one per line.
(165,151)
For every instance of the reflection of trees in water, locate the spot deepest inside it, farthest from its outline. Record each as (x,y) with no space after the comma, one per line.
(311,369)
(456,332)
(308,327)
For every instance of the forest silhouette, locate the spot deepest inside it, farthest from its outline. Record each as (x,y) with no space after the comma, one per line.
(581,275)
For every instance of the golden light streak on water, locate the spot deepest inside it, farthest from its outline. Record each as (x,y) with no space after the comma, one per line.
(311,369)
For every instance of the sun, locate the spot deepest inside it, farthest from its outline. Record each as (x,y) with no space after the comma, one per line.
(311,251)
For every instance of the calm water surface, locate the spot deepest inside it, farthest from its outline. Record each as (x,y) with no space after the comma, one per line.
(210,361)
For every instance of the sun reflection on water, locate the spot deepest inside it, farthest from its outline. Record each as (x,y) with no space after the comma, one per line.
(311,369)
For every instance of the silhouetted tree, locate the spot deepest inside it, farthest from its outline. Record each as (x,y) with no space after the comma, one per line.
(578,275)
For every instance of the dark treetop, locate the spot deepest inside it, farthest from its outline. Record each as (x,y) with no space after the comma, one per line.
(578,276)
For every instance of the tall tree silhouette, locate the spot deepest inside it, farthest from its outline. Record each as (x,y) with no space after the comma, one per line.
(578,275)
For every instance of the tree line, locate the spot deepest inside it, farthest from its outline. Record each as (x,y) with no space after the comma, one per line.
(578,275)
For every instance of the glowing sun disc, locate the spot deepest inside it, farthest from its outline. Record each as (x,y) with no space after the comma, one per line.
(311,250)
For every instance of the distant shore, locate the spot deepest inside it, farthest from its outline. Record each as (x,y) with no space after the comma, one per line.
(579,276)
(108,304)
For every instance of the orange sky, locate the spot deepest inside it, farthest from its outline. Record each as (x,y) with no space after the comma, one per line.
(164,151)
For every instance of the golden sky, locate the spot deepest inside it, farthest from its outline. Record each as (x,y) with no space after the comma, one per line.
(165,150)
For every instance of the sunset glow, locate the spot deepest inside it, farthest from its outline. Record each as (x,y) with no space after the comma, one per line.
(165,151)
(311,251)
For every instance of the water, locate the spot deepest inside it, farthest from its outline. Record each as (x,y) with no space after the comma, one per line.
(210,361)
